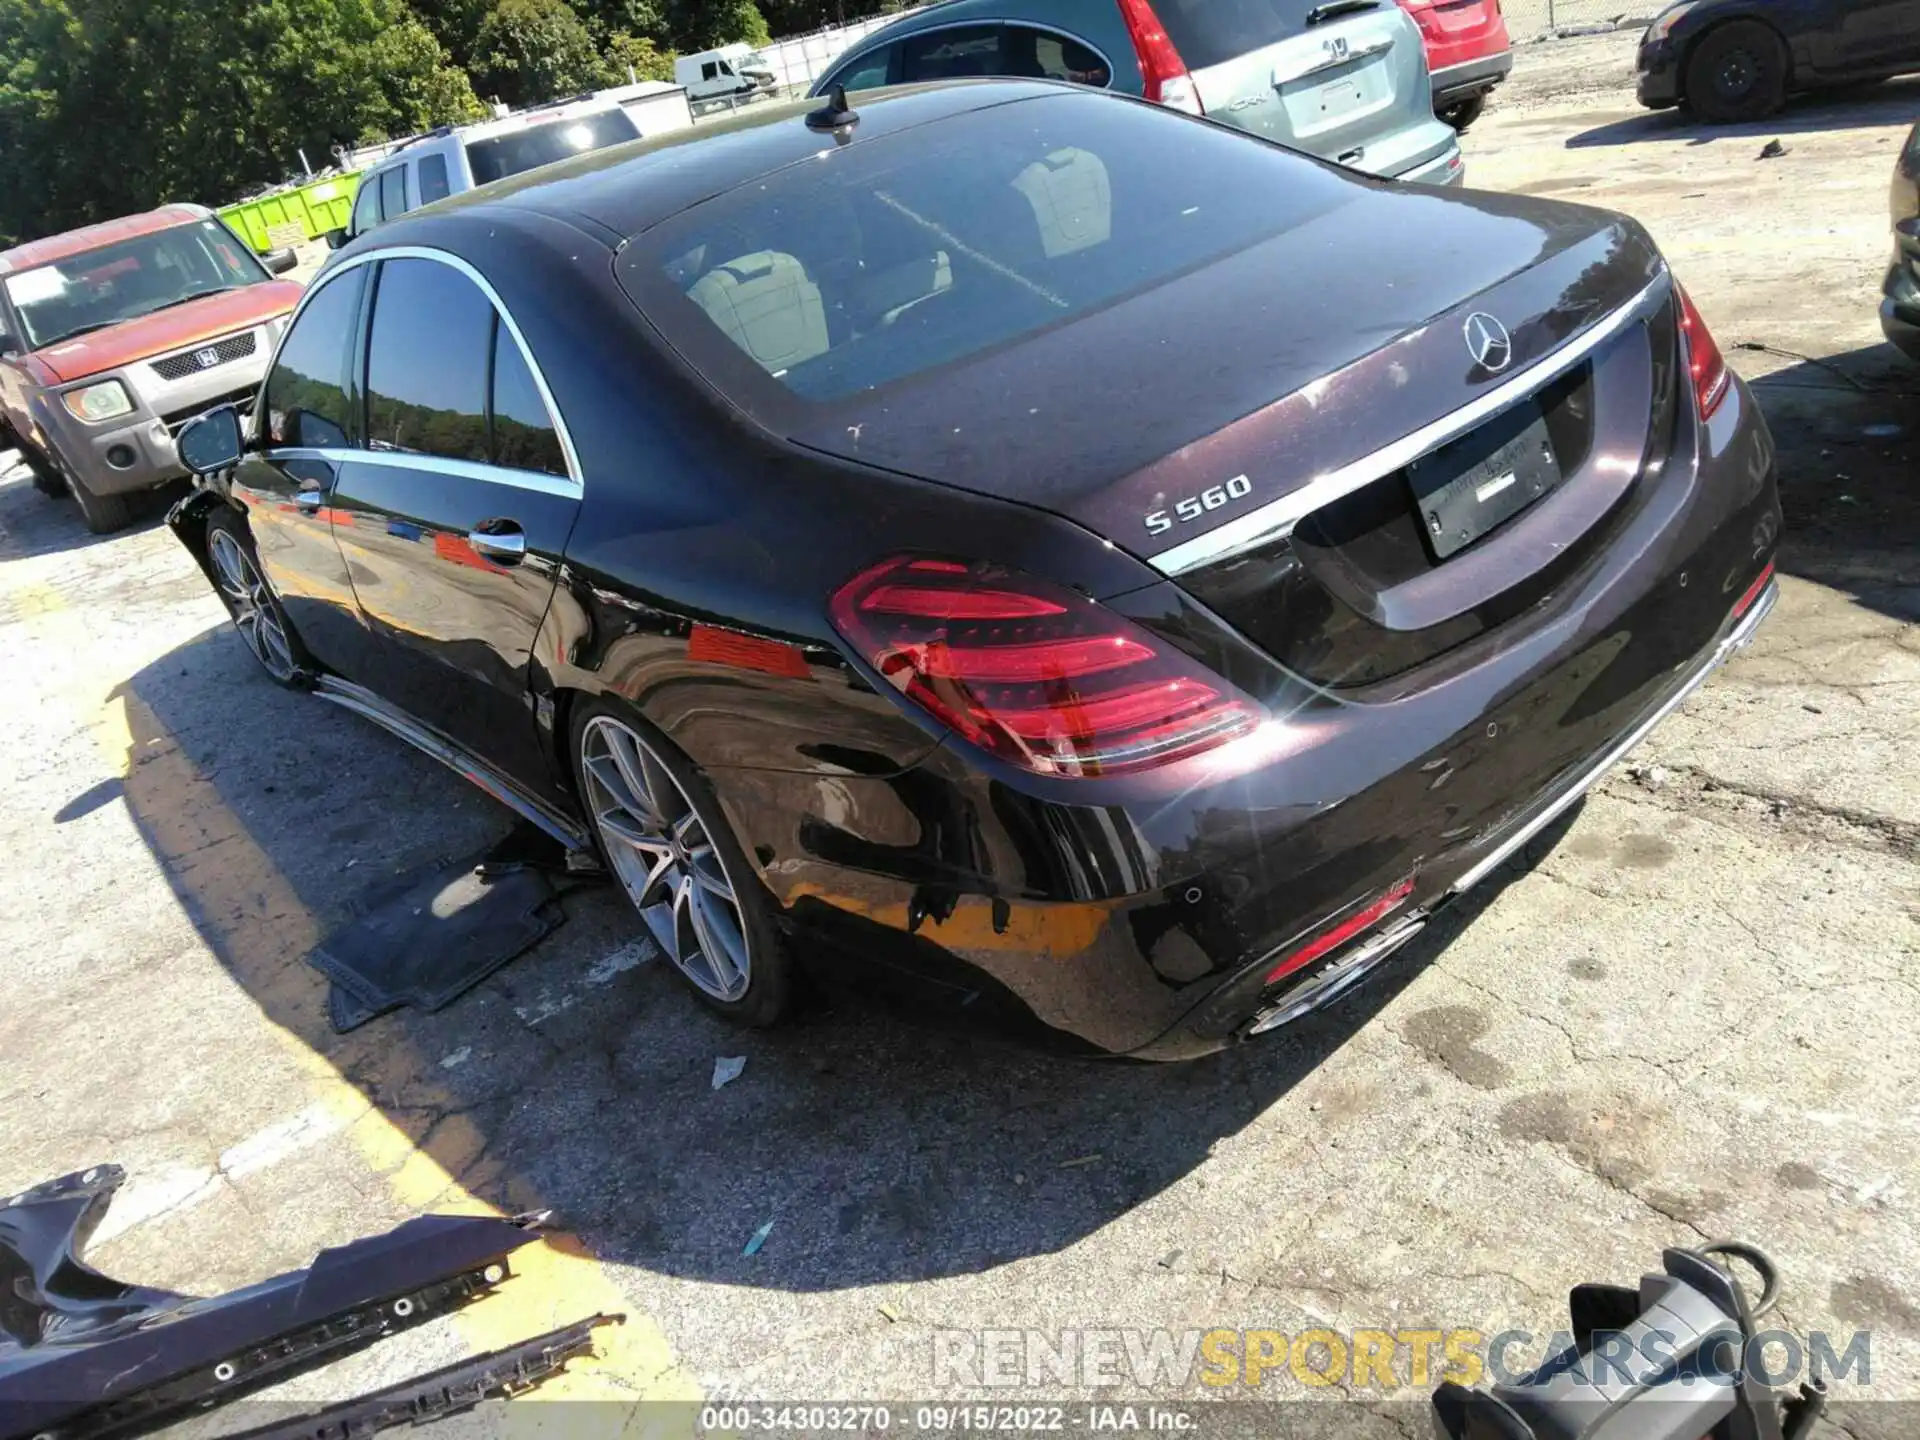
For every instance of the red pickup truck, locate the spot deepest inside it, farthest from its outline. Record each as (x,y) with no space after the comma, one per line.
(114,336)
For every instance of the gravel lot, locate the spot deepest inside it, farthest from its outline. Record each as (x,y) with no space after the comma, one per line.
(1694,1017)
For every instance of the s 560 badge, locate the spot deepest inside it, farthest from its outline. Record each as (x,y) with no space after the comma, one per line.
(1185,512)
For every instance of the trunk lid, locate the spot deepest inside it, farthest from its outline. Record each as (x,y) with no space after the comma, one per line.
(1280,363)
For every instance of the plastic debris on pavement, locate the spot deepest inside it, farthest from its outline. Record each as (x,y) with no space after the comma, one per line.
(727,1068)
(759,1239)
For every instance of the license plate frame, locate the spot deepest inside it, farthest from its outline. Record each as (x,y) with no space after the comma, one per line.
(1467,489)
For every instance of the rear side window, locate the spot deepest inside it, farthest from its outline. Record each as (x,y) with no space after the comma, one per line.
(1208,32)
(896,256)
(524,437)
(431,177)
(427,362)
(870,71)
(393,192)
(306,394)
(1039,53)
(366,206)
(951,54)
(498,156)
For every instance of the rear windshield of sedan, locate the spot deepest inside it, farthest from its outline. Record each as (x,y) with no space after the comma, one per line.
(498,156)
(890,257)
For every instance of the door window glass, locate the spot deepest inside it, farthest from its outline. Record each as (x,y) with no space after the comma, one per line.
(393,192)
(1040,55)
(366,207)
(950,54)
(524,437)
(427,362)
(432,179)
(869,71)
(306,395)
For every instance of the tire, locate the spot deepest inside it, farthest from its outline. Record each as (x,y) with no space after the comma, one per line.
(46,477)
(1736,71)
(1463,113)
(104,514)
(668,843)
(264,628)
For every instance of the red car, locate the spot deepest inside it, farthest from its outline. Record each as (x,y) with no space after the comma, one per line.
(1468,53)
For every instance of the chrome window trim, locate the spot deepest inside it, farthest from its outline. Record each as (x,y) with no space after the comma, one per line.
(1275,520)
(1002,20)
(534,480)
(572,483)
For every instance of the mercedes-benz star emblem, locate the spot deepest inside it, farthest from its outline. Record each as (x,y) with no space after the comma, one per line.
(1488,341)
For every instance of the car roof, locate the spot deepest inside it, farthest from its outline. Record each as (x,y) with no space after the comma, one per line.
(625,189)
(91,237)
(449,136)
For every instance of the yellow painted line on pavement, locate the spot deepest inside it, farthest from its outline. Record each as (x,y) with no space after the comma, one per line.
(254,918)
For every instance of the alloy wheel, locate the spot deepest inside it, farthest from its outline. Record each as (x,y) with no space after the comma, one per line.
(255,615)
(660,850)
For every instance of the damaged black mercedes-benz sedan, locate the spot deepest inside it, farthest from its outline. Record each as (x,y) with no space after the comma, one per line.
(1053,562)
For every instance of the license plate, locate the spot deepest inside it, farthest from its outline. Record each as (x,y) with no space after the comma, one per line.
(1340,97)
(1467,489)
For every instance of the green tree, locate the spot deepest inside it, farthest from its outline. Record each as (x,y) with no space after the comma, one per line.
(528,51)
(112,106)
(638,54)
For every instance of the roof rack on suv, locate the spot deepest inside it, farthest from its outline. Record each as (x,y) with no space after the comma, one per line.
(434,134)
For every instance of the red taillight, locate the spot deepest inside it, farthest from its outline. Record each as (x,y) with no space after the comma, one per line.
(1705,365)
(1326,940)
(1745,602)
(1163,73)
(1033,672)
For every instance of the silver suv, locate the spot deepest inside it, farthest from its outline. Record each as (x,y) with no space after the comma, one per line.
(448,161)
(1342,79)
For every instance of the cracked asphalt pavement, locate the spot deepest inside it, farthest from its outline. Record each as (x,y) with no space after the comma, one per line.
(1693,1015)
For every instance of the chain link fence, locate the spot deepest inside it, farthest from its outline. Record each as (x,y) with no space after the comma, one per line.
(799,60)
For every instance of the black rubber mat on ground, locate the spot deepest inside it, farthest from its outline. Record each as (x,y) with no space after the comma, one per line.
(437,935)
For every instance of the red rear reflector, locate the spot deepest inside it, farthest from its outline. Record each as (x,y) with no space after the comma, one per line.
(1745,602)
(1046,660)
(1706,367)
(1033,672)
(746,652)
(1163,74)
(1339,935)
(933,604)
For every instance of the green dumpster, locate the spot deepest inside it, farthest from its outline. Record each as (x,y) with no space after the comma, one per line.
(305,212)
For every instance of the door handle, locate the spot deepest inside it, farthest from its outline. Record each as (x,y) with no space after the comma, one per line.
(310,500)
(501,541)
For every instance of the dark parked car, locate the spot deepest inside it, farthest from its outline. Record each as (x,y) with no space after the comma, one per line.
(1739,59)
(1055,563)
(1900,292)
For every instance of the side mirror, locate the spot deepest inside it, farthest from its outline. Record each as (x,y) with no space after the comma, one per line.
(279,262)
(210,442)
(335,239)
(9,345)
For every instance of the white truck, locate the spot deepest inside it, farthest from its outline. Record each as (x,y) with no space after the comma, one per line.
(731,73)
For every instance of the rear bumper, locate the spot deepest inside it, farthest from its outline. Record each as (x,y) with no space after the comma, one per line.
(1469,78)
(1447,168)
(1140,916)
